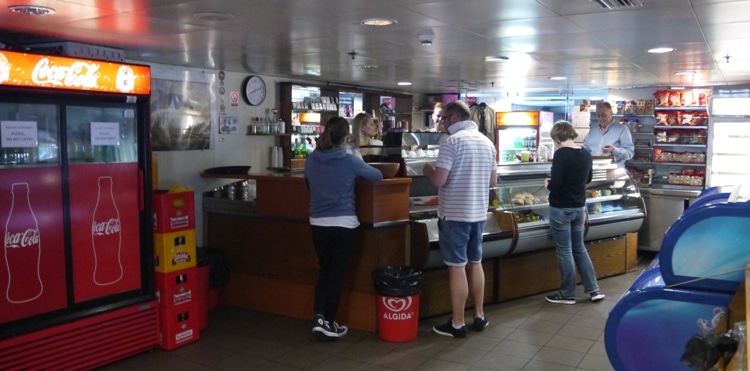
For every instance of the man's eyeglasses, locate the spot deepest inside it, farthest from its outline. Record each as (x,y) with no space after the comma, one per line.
(441,118)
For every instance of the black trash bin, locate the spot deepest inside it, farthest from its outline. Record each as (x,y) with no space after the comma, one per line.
(213,268)
(398,290)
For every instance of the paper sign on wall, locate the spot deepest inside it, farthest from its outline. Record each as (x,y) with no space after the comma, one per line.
(105,133)
(17,134)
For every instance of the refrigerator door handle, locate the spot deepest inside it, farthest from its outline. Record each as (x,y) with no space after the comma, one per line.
(141,202)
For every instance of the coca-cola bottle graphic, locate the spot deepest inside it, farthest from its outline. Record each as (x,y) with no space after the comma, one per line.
(23,249)
(106,236)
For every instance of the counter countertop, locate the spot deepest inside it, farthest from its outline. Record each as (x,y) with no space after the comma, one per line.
(289,176)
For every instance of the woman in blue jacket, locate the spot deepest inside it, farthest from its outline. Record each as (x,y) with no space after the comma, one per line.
(330,174)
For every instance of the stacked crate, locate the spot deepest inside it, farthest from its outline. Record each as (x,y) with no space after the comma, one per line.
(175,264)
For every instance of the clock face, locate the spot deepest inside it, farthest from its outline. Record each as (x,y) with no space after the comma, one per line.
(254,90)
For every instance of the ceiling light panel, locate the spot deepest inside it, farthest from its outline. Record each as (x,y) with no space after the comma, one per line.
(31,10)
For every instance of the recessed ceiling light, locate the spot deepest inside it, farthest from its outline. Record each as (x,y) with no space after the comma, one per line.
(404,83)
(495,58)
(213,16)
(31,9)
(662,49)
(367,66)
(377,22)
(558,78)
(685,73)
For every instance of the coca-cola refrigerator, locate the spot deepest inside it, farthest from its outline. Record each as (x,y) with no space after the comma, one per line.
(75,190)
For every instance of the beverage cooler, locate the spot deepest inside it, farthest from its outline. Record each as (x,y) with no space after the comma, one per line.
(522,135)
(729,130)
(77,262)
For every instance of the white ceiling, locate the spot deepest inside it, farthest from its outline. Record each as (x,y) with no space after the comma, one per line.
(595,48)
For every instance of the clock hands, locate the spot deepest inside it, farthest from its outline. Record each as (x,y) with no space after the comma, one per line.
(253,91)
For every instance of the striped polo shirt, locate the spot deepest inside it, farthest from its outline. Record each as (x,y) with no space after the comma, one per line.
(469,158)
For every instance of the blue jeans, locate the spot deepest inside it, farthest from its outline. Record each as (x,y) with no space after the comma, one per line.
(566,225)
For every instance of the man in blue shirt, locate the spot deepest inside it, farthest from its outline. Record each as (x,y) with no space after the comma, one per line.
(609,138)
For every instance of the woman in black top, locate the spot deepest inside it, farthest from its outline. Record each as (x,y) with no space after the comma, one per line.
(571,172)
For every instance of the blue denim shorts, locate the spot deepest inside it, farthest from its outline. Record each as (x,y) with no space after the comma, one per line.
(460,242)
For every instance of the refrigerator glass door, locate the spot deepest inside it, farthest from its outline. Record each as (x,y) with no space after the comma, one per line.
(729,152)
(32,262)
(104,199)
(512,142)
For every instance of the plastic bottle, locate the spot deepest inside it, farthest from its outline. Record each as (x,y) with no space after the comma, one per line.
(22,248)
(106,237)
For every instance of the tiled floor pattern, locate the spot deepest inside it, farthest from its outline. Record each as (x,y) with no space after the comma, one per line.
(527,334)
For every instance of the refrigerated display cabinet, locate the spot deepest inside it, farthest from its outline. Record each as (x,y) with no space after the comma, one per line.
(613,201)
(75,198)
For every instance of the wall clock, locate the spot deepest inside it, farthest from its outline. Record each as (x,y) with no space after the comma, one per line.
(254,90)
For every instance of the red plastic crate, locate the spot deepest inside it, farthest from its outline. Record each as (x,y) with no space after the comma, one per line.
(179,326)
(177,289)
(173,211)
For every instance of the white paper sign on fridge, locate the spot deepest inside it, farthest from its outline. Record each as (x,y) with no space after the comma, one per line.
(105,133)
(17,134)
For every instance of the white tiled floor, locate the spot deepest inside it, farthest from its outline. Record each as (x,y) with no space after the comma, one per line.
(527,334)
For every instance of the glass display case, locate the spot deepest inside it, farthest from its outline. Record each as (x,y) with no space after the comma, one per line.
(613,201)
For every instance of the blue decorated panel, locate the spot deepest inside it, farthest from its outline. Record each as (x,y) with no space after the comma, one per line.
(648,329)
(707,248)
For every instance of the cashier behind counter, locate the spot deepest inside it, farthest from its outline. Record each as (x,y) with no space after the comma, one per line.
(609,138)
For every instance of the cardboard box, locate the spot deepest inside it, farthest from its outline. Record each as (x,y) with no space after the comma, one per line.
(177,289)
(174,251)
(173,211)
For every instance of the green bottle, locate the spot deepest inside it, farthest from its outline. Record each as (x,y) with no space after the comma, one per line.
(295,148)
(303,148)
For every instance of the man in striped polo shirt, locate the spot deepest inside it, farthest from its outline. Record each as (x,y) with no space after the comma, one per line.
(464,171)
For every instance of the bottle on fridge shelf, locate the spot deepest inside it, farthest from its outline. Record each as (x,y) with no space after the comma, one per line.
(303,150)
(22,248)
(105,236)
(295,148)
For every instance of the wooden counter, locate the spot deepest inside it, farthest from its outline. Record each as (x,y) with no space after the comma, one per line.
(272,261)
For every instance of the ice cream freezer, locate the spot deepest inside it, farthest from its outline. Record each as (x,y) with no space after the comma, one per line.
(685,292)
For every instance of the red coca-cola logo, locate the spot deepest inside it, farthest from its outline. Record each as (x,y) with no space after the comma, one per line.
(106,228)
(77,75)
(18,240)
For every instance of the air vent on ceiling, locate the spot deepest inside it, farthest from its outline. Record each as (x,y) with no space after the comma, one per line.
(617,4)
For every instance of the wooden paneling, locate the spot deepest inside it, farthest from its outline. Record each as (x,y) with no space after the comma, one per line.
(608,256)
(528,274)
(435,298)
(273,266)
(383,201)
(286,195)
(631,257)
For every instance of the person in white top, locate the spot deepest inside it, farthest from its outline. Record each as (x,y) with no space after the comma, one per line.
(464,171)
(364,131)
